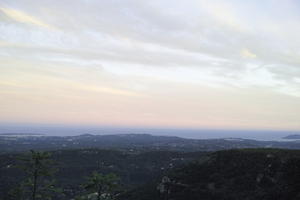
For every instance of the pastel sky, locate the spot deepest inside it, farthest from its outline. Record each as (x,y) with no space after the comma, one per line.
(162,63)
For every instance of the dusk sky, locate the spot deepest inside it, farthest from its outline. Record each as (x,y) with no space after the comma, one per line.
(230,64)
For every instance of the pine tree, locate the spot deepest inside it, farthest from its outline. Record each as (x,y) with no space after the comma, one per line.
(39,182)
(104,186)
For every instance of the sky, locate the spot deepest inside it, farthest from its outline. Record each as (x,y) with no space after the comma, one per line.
(227,64)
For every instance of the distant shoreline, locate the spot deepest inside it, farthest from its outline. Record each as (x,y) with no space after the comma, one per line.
(22,134)
(259,135)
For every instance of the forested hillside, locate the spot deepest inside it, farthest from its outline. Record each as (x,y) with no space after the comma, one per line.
(74,166)
(268,174)
(128,142)
(252,174)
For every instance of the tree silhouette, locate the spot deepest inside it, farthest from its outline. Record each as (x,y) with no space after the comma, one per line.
(104,186)
(39,182)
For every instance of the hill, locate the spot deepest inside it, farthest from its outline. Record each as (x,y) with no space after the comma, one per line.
(134,167)
(128,142)
(268,174)
(292,137)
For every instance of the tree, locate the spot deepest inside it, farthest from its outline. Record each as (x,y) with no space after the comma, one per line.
(104,186)
(38,183)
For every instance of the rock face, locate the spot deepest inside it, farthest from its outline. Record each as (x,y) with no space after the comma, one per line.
(163,186)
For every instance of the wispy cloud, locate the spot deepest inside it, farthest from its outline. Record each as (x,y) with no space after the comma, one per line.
(247,53)
(22,17)
(129,50)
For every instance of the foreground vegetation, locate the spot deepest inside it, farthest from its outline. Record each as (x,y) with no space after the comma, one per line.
(268,174)
(104,174)
(74,167)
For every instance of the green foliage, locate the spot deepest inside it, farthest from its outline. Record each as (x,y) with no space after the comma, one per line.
(101,186)
(268,174)
(134,168)
(38,182)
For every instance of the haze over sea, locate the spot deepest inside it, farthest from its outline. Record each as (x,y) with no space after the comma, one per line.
(207,133)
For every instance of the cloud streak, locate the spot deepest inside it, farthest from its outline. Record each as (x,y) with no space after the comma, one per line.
(23,17)
(125,47)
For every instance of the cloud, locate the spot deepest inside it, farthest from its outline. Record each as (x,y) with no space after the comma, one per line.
(247,54)
(130,48)
(23,17)
(111,91)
